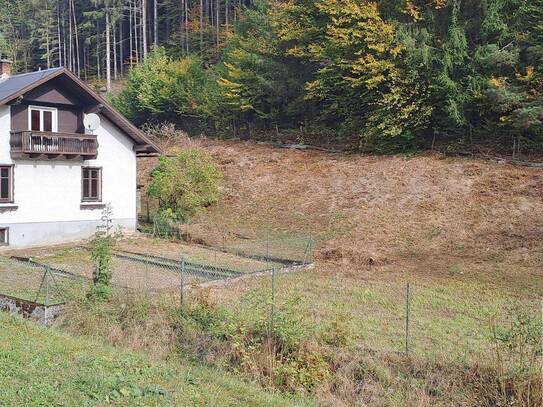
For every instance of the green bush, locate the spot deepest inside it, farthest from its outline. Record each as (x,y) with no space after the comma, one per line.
(165,89)
(185,183)
(279,354)
(517,357)
(102,254)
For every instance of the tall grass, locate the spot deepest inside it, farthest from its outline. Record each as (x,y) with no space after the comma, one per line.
(285,355)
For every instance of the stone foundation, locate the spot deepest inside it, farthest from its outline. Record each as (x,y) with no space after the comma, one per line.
(29,309)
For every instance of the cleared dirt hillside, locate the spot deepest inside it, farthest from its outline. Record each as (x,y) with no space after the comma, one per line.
(466,234)
(418,214)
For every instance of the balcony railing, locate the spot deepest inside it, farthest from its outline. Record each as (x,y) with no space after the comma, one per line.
(39,144)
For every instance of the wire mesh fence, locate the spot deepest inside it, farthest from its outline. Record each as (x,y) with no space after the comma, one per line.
(53,276)
(271,246)
(38,283)
(419,317)
(411,317)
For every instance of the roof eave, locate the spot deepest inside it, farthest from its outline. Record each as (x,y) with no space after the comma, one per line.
(121,121)
(118,119)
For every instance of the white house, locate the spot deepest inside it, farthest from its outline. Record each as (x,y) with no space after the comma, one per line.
(56,176)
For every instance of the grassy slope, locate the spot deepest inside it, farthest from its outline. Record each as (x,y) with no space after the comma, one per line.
(466,233)
(46,367)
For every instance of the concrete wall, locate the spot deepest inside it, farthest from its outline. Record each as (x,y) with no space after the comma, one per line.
(29,309)
(47,204)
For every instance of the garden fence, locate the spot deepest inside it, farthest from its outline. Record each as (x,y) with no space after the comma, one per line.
(53,278)
(399,315)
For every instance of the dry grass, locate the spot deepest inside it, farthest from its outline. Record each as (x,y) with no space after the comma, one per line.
(466,233)
(389,208)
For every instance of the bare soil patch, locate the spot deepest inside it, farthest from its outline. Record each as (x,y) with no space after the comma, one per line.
(420,215)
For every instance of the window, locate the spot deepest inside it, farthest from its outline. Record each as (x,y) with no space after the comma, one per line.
(42,119)
(6,183)
(91,184)
(4,236)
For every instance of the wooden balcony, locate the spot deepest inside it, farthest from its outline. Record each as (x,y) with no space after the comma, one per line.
(48,145)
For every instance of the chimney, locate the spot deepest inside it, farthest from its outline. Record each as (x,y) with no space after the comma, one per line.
(5,68)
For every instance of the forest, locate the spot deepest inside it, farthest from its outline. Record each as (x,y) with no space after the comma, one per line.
(381,75)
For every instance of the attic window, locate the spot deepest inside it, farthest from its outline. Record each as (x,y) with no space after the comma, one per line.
(42,119)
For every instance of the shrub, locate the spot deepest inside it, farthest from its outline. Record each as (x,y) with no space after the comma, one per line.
(518,351)
(165,89)
(278,354)
(185,183)
(101,253)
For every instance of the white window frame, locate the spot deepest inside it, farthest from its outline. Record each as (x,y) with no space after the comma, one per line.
(42,109)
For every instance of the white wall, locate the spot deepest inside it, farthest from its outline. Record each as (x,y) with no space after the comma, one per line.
(48,193)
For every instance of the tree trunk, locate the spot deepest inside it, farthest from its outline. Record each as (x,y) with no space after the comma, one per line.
(136,32)
(78,61)
(226,14)
(86,61)
(59,36)
(64,41)
(108,52)
(98,69)
(70,37)
(201,25)
(131,36)
(144,26)
(218,23)
(182,26)
(187,25)
(47,33)
(121,44)
(155,20)
(115,66)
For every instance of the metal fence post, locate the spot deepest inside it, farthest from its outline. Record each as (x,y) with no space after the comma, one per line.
(181,282)
(42,283)
(308,249)
(146,284)
(268,246)
(407,311)
(47,271)
(272,300)
(47,300)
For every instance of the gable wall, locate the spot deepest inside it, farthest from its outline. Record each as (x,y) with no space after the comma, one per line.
(48,193)
(50,94)
(70,120)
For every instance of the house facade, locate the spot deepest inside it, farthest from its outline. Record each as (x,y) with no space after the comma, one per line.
(56,175)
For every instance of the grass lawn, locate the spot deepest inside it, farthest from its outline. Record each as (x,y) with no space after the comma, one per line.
(44,367)
(450,318)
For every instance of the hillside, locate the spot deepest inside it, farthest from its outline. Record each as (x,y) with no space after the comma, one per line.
(418,214)
(47,367)
(465,233)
